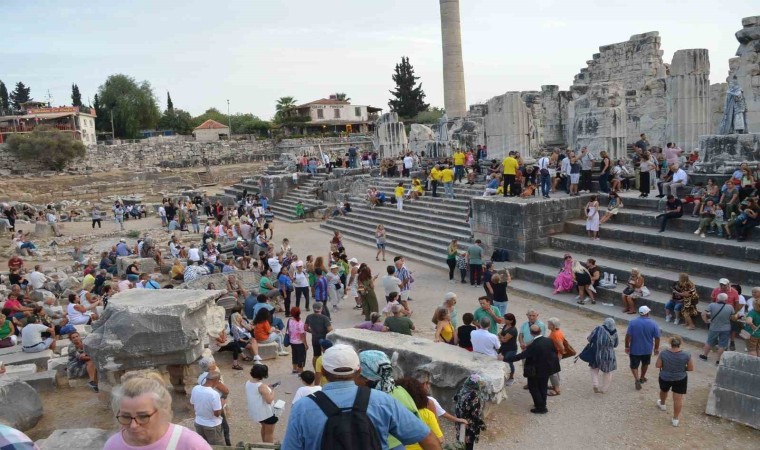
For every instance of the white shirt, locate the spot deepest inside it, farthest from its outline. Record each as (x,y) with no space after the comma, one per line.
(31,334)
(51,218)
(484,342)
(439,411)
(680,176)
(274,263)
(161,211)
(193,254)
(301,280)
(305,391)
(566,165)
(543,163)
(391,284)
(36,279)
(206,400)
(408,162)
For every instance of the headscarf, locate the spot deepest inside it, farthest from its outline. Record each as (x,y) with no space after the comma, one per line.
(375,366)
(609,324)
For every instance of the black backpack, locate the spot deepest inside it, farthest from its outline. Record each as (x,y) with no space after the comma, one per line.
(349,428)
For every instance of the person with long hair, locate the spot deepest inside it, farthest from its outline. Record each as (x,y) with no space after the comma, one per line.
(241,341)
(380,241)
(298,343)
(592,218)
(444,330)
(418,392)
(264,333)
(451,258)
(645,168)
(366,291)
(684,301)
(582,278)
(563,282)
(634,290)
(614,205)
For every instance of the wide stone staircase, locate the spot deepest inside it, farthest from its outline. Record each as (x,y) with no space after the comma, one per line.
(631,239)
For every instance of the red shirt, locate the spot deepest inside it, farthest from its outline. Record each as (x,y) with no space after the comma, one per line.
(733,296)
(15,262)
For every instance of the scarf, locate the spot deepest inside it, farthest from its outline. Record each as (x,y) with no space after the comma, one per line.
(375,366)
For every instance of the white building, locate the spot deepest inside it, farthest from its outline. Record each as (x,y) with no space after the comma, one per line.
(333,115)
(78,120)
(211,130)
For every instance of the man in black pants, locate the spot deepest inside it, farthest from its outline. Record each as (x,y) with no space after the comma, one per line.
(673,210)
(541,362)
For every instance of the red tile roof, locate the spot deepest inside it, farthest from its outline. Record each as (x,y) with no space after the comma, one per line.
(325,101)
(210,125)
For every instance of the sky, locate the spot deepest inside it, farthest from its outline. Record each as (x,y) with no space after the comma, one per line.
(253,51)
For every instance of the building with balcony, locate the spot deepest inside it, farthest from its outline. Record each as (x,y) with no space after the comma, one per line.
(78,120)
(330,115)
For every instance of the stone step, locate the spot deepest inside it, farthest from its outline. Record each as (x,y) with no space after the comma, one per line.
(412,212)
(542,292)
(10,350)
(402,220)
(672,239)
(396,229)
(647,218)
(430,204)
(737,271)
(40,359)
(41,381)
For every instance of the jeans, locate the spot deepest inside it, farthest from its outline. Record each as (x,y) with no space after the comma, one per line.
(476,273)
(501,306)
(458,173)
(511,365)
(28,245)
(604,183)
(448,188)
(667,216)
(671,306)
(275,337)
(302,291)
(545,184)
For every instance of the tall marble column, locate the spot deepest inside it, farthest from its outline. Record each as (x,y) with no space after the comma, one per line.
(453,67)
(688,98)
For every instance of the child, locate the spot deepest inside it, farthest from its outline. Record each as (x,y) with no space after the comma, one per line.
(718,222)
(462,265)
(300,213)
(463,332)
(399,193)
(308,379)
(393,298)
(528,191)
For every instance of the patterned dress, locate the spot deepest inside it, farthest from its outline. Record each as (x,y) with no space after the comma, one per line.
(689,296)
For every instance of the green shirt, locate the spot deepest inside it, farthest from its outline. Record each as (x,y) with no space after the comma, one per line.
(263,289)
(401,325)
(406,400)
(755,316)
(480,313)
(476,254)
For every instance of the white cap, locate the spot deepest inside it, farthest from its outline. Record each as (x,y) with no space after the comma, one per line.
(340,359)
(240,239)
(353,261)
(334,266)
(299,263)
(644,310)
(724,281)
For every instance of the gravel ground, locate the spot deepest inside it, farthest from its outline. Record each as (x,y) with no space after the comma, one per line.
(622,418)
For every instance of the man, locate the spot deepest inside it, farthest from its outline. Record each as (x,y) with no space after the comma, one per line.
(483,341)
(122,249)
(459,158)
(162,215)
(676,180)
(398,323)
(391,283)
(208,409)
(146,283)
(403,274)
(194,270)
(318,325)
(642,143)
(565,169)
(492,185)
(341,368)
(408,164)
(435,178)
(352,157)
(641,339)
(36,278)
(587,164)
(509,170)
(118,215)
(321,289)
(541,362)
(524,337)
(673,210)
(447,178)
(31,336)
(475,260)
(544,176)
(732,295)
(718,315)
(672,154)
(488,311)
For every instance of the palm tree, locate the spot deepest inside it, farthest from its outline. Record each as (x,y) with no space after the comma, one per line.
(285,103)
(342,96)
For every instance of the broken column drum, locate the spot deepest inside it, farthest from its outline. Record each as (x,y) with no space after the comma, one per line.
(688,94)
(508,126)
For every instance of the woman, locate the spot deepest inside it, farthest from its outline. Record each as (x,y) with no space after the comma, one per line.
(634,290)
(712,191)
(604,175)
(752,324)
(684,300)
(80,364)
(592,218)
(380,241)
(673,364)
(500,299)
(444,330)
(416,191)
(470,404)
(508,339)
(298,342)
(143,408)
(604,362)
(564,280)
(178,271)
(451,258)
(706,216)
(336,241)
(418,392)
(582,278)
(645,168)
(746,183)
(366,289)
(557,337)
(78,314)
(264,333)
(373,324)
(575,174)
(614,206)
(7,332)
(260,397)
(241,335)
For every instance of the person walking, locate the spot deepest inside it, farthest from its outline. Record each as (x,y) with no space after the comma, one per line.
(366,289)
(380,241)
(603,361)
(641,339)
(475,260)
(673,364)
(451,258)
(541,362)
(296,332)
(718,315)
(398,192)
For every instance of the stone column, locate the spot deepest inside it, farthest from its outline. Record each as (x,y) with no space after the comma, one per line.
(688,98)
(453,67)
(508,126)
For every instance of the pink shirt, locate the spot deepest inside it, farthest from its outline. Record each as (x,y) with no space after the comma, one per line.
(189,440)
(295,329)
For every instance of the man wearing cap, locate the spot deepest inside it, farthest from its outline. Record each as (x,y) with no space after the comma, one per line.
(724,287)
(341,367)
(122,249)
(641,339)
(301,284)
(718,315)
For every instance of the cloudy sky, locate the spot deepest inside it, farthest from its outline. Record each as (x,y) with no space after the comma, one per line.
(254,51)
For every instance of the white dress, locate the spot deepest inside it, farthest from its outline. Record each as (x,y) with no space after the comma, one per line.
(592,218)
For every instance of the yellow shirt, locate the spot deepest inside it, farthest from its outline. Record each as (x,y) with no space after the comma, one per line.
(435,174)
(458,159)
(447,175)
(428,418)
(318,369)
(510,165)
(399,191)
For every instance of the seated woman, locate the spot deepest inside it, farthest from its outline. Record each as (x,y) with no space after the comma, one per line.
(264,333)
(80,364)
(393,299)
(683,302)
(748,218)
(178,271)
(78,314)
(564,280)
(582,278)
(634,290)
(235,287)
(17,311)
(613,207)
(373,324)
(706,216)
(416,191)
(240,329)
(7,332)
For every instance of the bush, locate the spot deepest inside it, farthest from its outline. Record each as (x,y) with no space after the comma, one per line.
(50,148)
(133,234)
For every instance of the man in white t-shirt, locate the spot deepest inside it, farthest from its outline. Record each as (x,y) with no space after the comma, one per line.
(483,341)
(408,164)
(162,215)
(36,278)
(391,283)
(275,265)
(208,410)
(32,340)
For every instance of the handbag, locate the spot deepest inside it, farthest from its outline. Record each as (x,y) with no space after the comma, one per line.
(569,350)
(286,339)
(645,291)
(588,353)
(628,290)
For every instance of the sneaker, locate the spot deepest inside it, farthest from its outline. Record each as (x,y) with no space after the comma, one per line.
(661,405)
(257,358)
(510,382)
(596,390)
(676,322)
(667,319)
(283,353)
(577,297)
(702,235)
(703,357)
(732,346)
(674,422)
(93,385)
(697,231)
(638,385)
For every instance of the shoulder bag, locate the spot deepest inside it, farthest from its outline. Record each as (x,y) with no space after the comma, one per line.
(286,339)
(588,353)
(569,350)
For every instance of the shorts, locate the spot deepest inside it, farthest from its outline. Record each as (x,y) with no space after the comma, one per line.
(403,296)
(575,178)
(270,421)
(637,360)
(737,325)
(381,246)
(719,338)
(678,387)
(753,344)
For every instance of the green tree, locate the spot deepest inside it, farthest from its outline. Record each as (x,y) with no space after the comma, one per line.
(20,96)
(176,119)
(250,124)
(102,123)
(408,99)
(134,106)
(5,104)
(431,116)
(50,148)
(76,96)
(169,104)
(342,96)
(211,113)
(283,105)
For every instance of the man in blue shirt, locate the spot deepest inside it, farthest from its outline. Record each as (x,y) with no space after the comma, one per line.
(641,339)
(340,365)
(320,290)
(122,249)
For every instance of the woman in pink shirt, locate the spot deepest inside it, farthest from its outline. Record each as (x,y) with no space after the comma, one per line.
(298,342)
(143,408)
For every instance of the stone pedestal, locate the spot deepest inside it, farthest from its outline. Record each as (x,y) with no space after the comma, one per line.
(390,136)
(722,154)
(734,395)
(598,119)
(688,95)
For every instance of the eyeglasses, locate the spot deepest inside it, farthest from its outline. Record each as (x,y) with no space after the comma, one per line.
(141,419)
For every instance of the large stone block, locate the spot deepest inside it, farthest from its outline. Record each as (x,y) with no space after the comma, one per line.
(75,438)
(40,359)
(447,365)
(20,404)
(147,328)
(734,395)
